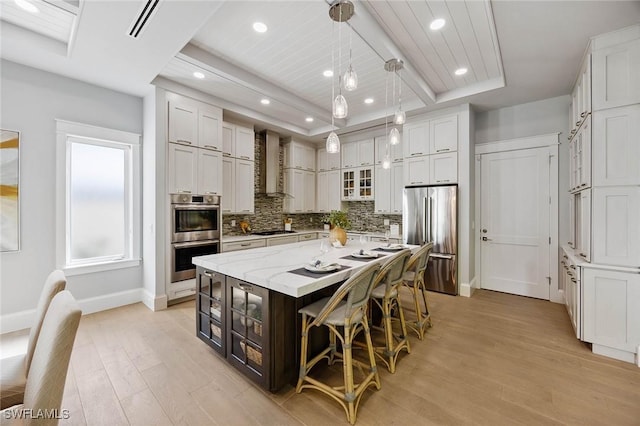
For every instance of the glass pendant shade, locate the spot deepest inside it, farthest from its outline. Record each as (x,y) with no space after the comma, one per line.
(386,162)
(399,117)
(333,143)
(340,107)
(394,136)
(350,79)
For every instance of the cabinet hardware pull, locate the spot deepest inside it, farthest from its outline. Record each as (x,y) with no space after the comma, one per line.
(443,149)
(244,156)
(183,141)
(565,256)
(572,266)
(583,255)
(245,245)
(578,123)
(416,153)
(245,287)
(208,273)
(573,280)
(582,114)
(211,146)
(246,210)
(181,191)
(226,154)
(573,131)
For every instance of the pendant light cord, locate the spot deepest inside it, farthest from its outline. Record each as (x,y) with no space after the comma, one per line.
(333,68)
(340,51)
(386,113)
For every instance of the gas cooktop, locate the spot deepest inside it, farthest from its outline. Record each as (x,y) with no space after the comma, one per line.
(274,232)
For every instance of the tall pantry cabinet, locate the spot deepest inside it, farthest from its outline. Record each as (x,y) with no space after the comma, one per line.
(603,292)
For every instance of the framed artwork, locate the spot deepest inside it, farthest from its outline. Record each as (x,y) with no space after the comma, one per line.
(9,190)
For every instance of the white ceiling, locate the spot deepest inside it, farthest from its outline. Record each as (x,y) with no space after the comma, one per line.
(516,52)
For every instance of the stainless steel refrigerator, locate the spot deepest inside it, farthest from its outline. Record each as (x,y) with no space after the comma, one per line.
(430,213)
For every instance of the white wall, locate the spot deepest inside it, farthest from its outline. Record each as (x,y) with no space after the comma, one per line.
(31,100)
(531,119)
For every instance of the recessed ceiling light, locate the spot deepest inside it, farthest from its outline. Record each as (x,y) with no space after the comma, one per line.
(259,27)
(328,73)
(265,101)
(198,74)
(368,101)
(309,119)
(461,71)
(436,24)
(27,5)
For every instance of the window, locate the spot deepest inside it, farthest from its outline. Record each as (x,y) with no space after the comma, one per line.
(98,197)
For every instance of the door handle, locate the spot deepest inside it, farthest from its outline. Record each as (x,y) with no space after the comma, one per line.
(486,239)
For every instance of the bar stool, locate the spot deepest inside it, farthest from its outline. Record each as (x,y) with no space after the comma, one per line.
(414,280)
(385,296)
(346,309)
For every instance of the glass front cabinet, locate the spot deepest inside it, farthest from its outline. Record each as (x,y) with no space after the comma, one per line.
(210,323)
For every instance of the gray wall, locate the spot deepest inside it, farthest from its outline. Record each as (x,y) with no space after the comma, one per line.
(31,101)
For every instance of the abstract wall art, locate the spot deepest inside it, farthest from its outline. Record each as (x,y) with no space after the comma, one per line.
(9,190)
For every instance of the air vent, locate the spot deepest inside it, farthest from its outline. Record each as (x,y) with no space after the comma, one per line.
(141,21)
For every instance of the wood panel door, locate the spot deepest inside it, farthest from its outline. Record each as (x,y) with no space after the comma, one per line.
(515,222)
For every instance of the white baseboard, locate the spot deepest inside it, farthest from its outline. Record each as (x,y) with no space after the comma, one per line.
(154,303)
(613,353)
(467,289)
(24,319)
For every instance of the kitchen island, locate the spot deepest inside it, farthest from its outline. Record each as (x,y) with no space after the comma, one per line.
(247,303)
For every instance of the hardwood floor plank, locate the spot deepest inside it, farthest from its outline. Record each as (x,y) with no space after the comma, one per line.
(99,401)
(125,378)
(224,408)
(143,409)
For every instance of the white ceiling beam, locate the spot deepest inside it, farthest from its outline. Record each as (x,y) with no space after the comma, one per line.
(366,26)
(228,71)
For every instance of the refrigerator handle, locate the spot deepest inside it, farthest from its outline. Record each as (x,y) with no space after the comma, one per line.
(426,217)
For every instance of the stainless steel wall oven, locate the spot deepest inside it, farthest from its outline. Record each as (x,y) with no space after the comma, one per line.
(196,221)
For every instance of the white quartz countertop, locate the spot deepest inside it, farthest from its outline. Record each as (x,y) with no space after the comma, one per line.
(268,266)
(249,237)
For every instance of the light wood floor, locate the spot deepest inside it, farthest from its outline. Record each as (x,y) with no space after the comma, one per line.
(492,359)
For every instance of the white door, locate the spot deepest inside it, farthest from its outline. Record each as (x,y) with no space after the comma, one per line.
(514,222)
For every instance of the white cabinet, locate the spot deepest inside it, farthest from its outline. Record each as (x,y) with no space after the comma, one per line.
(581,96)
(443,168)
(416,139)
(300,186)
(244,186)
(580,158)
(358,154)
(209,172)
(615,75)
(326,161)
(183,123)
(183,169)
(328,191)
(612,309)
(228,178)
(571,284)
(299,156)
(416,170)
(278,241)
(388,191)
(583,224)
(616,230)
(616,146)
(210,129)
(443,134)
(243,245)
(238,141)
(395,151)
(358,184)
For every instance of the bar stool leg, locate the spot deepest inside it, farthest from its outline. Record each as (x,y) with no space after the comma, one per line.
(303,354)
(372,356)
(347,364)
(403,327)
(416,301)
(332,346)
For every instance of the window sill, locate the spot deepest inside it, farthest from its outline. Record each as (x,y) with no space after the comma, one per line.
(101,267)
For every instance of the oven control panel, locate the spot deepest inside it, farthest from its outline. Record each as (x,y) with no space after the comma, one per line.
(194,199)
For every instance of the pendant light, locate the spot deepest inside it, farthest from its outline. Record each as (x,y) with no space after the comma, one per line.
(399,118)
(350,78)
(393,65)
(341,11)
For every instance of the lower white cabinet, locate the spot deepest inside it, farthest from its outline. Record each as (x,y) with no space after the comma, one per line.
(238,185)
(612,309)
(571,284)
(328,191)
(277,241)
(194,171)
(243,245)
(583,224)
(616,230)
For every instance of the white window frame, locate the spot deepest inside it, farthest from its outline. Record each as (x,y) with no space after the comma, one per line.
(67,133)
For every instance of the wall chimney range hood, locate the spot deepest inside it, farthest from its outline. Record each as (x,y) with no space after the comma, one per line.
(270,165)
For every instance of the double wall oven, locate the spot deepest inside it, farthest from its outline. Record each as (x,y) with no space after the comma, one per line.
(196,221)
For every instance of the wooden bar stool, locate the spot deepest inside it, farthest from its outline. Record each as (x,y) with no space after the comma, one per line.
(385,295)
(414,280)
(345,310)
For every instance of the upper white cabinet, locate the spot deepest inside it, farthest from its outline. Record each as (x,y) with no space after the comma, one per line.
(326,161)
(616,230)
(357,184)
(244,186)
(443,134)
(299,156)
(195,124)
(416,139)
(228,202)
(395,151)
(416,171)
(389,185)
(209,172)
(358,154)
(580,158)
(300,186)
(616,146)
(328,191)
(183,169)
(238,141)
(583,224)
(443,168)
(615,75)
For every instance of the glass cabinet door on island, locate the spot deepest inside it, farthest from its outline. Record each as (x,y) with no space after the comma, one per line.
(246,335)
(210,308)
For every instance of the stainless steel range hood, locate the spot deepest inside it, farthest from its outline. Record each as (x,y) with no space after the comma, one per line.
(270,165)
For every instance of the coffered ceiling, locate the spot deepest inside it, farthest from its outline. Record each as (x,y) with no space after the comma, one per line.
(515,52)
